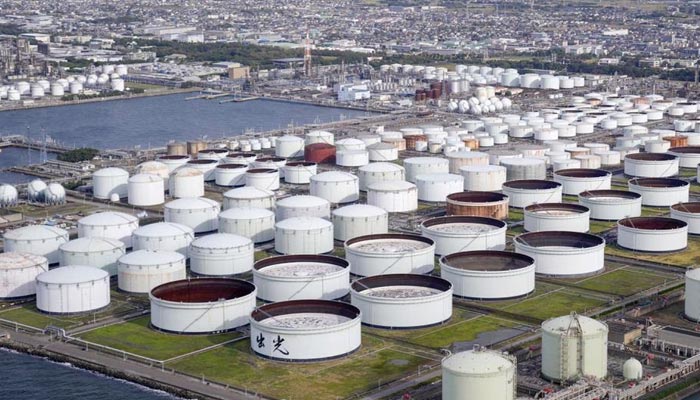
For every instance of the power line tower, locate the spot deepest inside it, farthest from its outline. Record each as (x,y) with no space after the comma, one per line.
(307,56)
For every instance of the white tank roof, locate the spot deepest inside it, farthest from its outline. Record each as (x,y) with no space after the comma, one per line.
(221,241)
(151,257)
(246,213)
(386,186)
(150,167)
(290,138)
(466,154)
(163,229)
(248,192)
(334,176)
(92,244)
(186,171)
(350,141)
(302,201)
(564,323)
(71,274)
(359,210)
(145,178)
(108,218)
(303,223)
(381,146)
(439,177)
(381,167)
(109,172)
(428,160)
(17,260)
(191,203)
(476,362)
(35,232)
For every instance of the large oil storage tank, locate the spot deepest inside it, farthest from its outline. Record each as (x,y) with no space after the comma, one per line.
(480,204)
(692,294)
(320,153)
(459,159)
(176,149)
(556,217)
(299,172)
(390,253)
(611,205)
(263,178)
(524,168)
(18,272)
(436,187)
(206,166)
(155,168)
(249,197)
(41,240)
(303,235)
(393,196)
(379,172)
(257,224)
(574,346)
(335,186)
(94,252)
(402,301)
(562,253)
(526,192)
(212,154)
(479,374)
(146,190)
(577,180)
(230,174)
(359,220)
(688,157)
(110,225)
(204,305)
(688,212)
(311,329)
(109,181)
(142,270)
(484,178)
(163,236)
(186,182)
(660,192)
(453,234)
(199,213)
(173,162)
(302,206)
(221,254)
(425,165)
(302,277)
(651,165)
(72,289)
(318,136)
(289,146)
(652,234)
(489,274)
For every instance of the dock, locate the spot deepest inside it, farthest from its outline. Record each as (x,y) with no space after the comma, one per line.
(239,99)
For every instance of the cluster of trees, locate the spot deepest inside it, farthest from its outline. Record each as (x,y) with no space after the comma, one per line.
(77,155)
(105,93)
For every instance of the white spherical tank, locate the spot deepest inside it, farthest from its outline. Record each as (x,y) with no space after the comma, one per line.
(393,196)
(41,240)
(453,234)
(556,217)
(301,277)
(93,252)
(436,187)
(257,224)
(221,254)
(424,165)
(72,289)
(692,294)
(9,195)
(379,172)
(186,181)
(577,180)
(146,190)
(335,186)
(574,346)
(652,234)
(489,274)
(198,213)
(359,220)
(142,270)
(611,205)
(108,181)
(660,192)
(204,305)
(390,253)
(302,206)
(35,189)
(18,272)
(249,197)
(303,235)
(479,374)
(563,253)
(632,370)
(163,236)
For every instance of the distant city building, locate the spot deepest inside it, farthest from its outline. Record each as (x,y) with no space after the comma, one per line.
(353,92)
(239,72)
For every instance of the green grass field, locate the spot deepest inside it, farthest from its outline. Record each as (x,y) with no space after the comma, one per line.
(359,372)
(462,331)
(135,336)
(554,304)
(29,315)
(685,258)
(624,282)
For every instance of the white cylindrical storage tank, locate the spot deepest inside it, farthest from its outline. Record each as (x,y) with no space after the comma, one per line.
(318,136)
(424,165)
(457,233)
(263,178)
(352,158)
(379,172)
(249,197)
(577,180)
(94,252)
(221,254)
(651,165)
(390,253)
(312,330)
(359,220)
(436,187)
(72,289)
(206,166)
(486,178)
(660,192)
(303,235)
(289,147)
(479,374)
(556,217)
(198,213)
(458,159)
(173,161)
(57,90)
(688,157)
(574,346)
(257,224)
(204,305)
(608,158)
(489,274)
(393,196)
(689,213)
(146,190)
(302,206)
(402,301)
(526,192)
(562,253)
(692,294)
(302,277)
(382,152)
(18,272)
(142,270)
(524,168)
(40,240)
(350,144)
(650,146)
(163,236)
(230,174)
(109,181)
(611,205)
(240,158)
(299,172)
(212,154)
(335,186)
(186,182)
(652,234)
